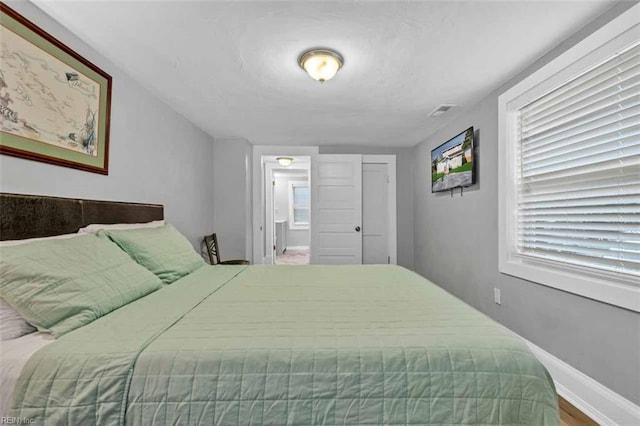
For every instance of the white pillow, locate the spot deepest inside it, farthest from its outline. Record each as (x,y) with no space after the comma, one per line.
(12,325)
(9,243)
(97,227)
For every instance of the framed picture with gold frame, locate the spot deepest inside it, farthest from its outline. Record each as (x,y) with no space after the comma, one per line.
(54,104)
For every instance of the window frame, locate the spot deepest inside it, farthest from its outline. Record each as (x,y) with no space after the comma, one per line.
(609,287)
(292,225)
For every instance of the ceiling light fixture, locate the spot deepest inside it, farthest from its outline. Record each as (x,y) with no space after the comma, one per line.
(320,64)
(284,161)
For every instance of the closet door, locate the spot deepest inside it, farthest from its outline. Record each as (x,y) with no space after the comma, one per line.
(336,209)
(375,214)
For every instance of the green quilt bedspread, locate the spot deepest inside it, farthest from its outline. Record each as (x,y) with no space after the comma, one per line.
(297,345)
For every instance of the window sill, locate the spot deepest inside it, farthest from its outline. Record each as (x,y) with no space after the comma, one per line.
(620,293)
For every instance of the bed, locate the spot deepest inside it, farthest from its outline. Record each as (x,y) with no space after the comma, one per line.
(298,345)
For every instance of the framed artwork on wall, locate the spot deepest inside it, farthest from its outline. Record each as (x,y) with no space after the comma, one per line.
(54,104)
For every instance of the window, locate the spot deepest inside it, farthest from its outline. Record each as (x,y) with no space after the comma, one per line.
(299,205)
(570,170)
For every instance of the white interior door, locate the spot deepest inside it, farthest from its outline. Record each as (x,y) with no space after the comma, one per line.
(269,216)
(336,209)
(375,214)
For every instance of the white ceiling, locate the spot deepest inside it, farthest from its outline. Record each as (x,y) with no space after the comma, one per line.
(230,67)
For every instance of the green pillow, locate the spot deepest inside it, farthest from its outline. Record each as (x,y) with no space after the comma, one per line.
(60,285)
(162,250)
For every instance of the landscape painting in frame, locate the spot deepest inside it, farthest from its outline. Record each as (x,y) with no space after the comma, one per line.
(54,104)
(452,163)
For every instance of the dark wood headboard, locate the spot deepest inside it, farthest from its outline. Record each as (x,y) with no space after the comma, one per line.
(34,216)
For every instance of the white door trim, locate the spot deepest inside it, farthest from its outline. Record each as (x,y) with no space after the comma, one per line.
(257,204)
(269,219)
(390,161)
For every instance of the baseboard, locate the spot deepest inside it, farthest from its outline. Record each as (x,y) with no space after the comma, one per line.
(595,400)
(297,247)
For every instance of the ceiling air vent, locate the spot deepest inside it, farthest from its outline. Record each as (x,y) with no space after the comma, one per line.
(441,110)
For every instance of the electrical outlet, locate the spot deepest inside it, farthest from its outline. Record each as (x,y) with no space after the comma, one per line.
(496,296)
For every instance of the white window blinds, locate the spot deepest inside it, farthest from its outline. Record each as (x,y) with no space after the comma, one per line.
(578,170)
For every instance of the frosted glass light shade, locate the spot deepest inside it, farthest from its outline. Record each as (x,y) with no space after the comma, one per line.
(321,64)
(284,161)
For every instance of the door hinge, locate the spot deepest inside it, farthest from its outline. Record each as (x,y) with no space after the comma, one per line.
(273,182)
(389,260)
(274,246)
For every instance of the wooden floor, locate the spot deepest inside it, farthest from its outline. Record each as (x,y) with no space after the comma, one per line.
(571,416)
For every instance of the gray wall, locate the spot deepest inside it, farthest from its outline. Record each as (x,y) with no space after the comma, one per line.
(404,183)
(456,246)
(231,165)
(156,155)
(295,237)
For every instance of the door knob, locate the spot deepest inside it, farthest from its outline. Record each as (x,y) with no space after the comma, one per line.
(357,229)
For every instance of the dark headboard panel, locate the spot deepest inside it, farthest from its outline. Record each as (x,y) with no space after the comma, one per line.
(34,216)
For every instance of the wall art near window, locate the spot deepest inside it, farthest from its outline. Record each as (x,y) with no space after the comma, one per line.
(54,104)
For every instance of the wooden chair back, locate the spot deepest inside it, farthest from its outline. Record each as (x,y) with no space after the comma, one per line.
(211,241)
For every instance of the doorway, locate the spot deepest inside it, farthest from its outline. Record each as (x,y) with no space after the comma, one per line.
(341,186)
(287,211)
